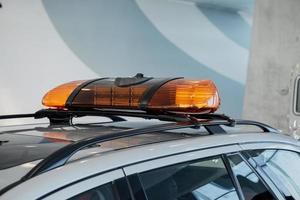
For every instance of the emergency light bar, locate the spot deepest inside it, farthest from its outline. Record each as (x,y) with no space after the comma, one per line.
(136,93)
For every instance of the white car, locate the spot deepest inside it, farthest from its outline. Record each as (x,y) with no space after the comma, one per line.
(181,152)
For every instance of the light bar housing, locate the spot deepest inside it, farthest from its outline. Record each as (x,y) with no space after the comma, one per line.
(136,93)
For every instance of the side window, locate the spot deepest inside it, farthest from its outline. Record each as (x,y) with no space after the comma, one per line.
(200,180)
(282,167)
(116,190)
(251,185)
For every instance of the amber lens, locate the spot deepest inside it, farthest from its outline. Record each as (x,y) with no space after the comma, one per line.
(105,94)
(180,95)
(58,96)
(186,96)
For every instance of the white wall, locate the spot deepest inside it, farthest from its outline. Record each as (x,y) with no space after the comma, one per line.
(48,42)
(33,57)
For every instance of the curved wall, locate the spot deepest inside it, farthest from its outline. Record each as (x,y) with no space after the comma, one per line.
(60,40)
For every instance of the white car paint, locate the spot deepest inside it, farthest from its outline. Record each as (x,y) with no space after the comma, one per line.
(13,174)
(106,161)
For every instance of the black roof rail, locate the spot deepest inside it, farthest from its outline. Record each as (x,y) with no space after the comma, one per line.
(264,127)
(30,115)
(65,116)
(60,116)
(57,116)
(59,158)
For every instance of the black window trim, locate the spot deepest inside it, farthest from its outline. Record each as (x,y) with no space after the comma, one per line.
(135,163)
(233,178)
(260,177)
(128,184)
(246,155)
(223,157)
(225,161)
(140,185)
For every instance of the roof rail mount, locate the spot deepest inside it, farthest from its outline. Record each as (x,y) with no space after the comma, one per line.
(57,116)
(212,123)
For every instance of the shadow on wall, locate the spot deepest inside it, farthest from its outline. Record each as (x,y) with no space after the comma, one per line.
(115,38)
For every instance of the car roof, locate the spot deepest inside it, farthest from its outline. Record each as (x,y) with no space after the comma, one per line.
(113,159)
(24,146)
(27,143)
(58,151)
(81,140)
(101,162)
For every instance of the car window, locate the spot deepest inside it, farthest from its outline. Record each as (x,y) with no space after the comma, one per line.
(201,180)
(251,185)
(282,167)
(116,190)
(103,192)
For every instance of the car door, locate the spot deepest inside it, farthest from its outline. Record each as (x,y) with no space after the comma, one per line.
(278,162)
(110,185)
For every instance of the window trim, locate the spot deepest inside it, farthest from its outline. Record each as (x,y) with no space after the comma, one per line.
(233,176)
(180,158)
(263,180)
(269,146)
(192,156)
(218,156)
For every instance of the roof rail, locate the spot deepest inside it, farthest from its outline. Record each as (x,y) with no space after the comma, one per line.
(30,115)
(57,116)
(59,158)
(65,116)
(262,126)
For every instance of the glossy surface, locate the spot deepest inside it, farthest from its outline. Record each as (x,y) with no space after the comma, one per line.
(199,96)
(159,95)
(105,94)
(18,149)
(20,145)
(146,152)
(57,97)
(182,150)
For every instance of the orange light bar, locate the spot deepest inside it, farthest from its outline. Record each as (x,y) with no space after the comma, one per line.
(149,94)
(186,96)
(57,97)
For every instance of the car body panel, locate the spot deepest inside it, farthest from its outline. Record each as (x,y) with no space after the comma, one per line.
(13,174)
(178,158)
(107,161)
(85,185)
